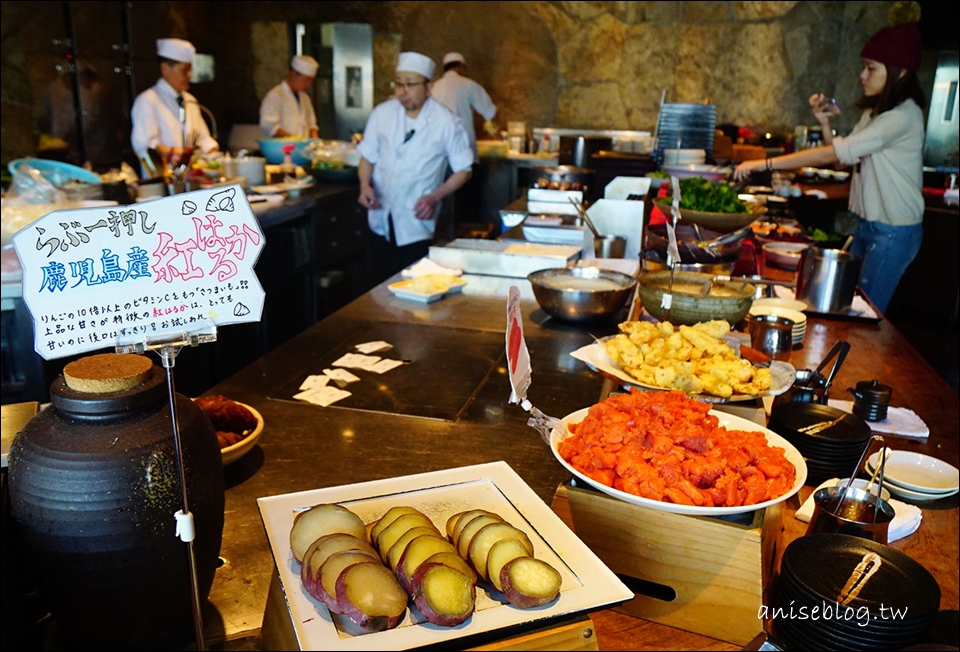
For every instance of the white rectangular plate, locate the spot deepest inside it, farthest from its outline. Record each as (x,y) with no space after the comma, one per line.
(587,583)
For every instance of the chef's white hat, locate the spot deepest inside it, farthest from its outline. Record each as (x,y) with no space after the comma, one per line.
(176,49)
(416,62)
(305,65)
(450,57)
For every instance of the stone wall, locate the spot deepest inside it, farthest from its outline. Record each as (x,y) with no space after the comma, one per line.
(598,65)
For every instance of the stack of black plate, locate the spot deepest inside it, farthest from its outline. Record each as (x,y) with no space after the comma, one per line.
(830,453)
(840,592)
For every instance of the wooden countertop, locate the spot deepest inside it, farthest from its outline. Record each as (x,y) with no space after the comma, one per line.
(306,447)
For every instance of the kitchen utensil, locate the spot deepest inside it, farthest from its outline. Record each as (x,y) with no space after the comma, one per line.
(847,510)
(842,348)
(729,300)
(783,254)
(871,399)
(610,246)
(577,150)
(581,294)
(771,335)
(722,222)
(827,279)
(851,511)
(582,212)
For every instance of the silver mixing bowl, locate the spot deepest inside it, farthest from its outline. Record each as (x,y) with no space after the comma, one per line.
(581,294)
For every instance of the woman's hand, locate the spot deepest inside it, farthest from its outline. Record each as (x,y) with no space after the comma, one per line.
(747,168)
(823,108)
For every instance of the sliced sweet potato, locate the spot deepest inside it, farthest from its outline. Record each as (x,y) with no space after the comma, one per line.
(371,596)
(396,550)
(468,532)
(416,552)
(488,535)
(390,534)
(529,582)
(501,553)
(325,589)
(445,596)
(321,549)
(454,561)
(464,520)
(319,520)
(389,517)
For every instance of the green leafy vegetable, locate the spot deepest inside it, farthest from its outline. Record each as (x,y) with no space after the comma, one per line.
(699,194)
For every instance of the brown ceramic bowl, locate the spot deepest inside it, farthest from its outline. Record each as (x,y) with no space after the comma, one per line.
(729,300)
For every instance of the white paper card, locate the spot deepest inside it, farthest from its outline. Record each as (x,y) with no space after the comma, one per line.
(324,396)
(385,365)
(373,347)
(356,361)
(341,374)
(314,382)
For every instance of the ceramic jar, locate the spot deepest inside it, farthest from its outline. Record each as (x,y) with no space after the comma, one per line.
(94,489)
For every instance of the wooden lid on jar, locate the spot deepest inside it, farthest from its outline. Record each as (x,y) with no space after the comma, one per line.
(107,372)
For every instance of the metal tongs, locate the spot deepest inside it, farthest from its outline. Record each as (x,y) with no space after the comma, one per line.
(840,350)
(881,463)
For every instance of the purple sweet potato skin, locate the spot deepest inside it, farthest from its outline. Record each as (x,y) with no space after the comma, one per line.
(515,595)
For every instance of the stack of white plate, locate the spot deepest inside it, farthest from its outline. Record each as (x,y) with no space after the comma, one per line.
(684,156)
(798,318)
(915,476)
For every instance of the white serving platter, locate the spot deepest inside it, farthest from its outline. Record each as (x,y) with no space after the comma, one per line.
(917,472)
(594,355)
(728,421)
(587,583)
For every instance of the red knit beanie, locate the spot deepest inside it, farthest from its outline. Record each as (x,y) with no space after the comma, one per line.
(899,44)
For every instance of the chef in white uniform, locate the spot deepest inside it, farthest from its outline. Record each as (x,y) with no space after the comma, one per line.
(287,109)
(407,145)
(463,96)
(156,111)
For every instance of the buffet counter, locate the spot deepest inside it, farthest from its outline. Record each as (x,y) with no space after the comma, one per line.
(447,407)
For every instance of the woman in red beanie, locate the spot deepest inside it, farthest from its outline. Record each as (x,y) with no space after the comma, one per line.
(885,150)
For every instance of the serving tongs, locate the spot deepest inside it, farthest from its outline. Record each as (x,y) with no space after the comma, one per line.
(840,350)
(881,463)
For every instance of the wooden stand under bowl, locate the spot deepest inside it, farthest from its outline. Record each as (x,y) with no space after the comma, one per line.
(697,573)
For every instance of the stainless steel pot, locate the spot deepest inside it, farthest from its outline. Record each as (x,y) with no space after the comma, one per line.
(827,279)
(577,150)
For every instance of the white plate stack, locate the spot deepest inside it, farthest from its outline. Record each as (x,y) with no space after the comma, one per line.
(798,318)
(916,477)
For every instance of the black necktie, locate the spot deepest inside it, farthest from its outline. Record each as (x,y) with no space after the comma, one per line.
(408,135)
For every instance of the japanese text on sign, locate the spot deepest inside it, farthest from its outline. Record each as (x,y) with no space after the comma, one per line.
(91,275)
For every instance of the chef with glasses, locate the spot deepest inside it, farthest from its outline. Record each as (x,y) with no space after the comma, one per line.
(408,142)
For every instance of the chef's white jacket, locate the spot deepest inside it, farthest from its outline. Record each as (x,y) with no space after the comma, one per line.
(156,121)
(404,172)
(463,96)
(282,108)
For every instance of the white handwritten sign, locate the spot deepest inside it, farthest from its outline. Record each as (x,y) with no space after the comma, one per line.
(93,275)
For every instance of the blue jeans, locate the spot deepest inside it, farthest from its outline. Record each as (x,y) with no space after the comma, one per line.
(887,251)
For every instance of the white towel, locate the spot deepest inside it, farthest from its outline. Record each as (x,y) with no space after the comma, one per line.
(899,421)
(426,266)
(906,520)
